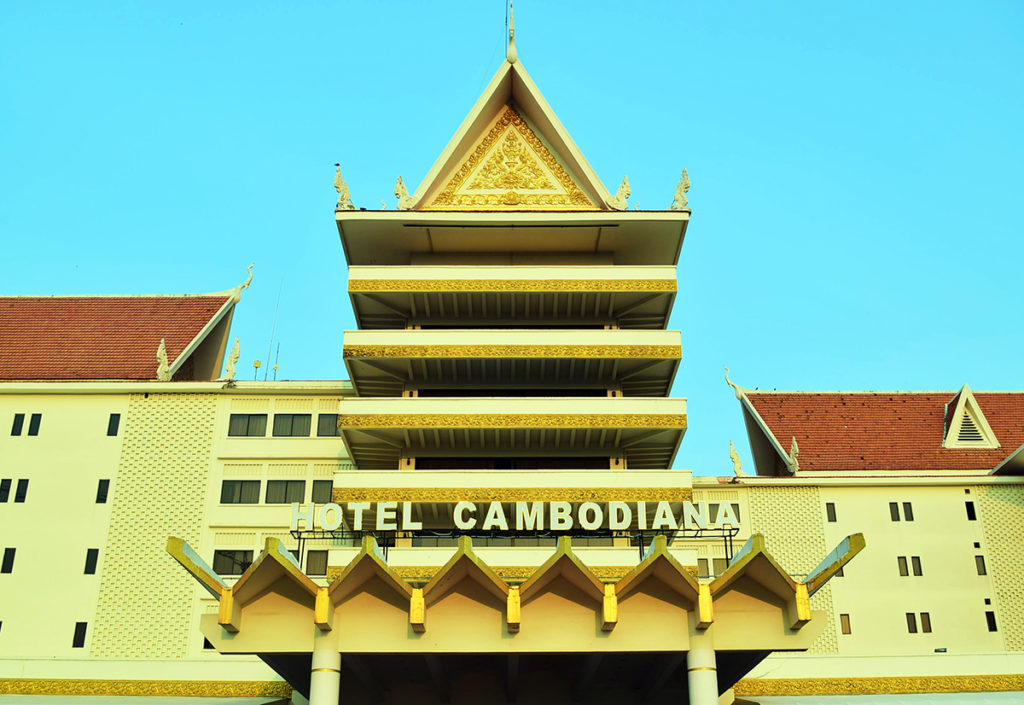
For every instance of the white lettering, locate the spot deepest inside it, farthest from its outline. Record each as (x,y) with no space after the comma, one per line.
(298,513)
(594,521)
(726,515)
(619,515)
(531,519)
(663,518)
(641,515)
(407,522)
(695,516)
(560,515)
(357,509)
(495,517)
(332,523)
(461,521)
(387,515)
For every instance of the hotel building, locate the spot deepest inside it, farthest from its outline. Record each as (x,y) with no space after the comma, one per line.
(488,510)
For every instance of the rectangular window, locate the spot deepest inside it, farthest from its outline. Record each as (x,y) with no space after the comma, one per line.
(971,515)
(286,491)
(102,488)
(915,564)
(91,556)
(830,511)
(894,511)
(33,424)
(908,512)
(990,618)
(113,423)
(979,563)
(713,513)
(702,567)
(322,491)
(844,623)
(19,423)
(5,490)
(292,424)
(327,425)
(231,562)
(79,639)
(240,492)
(316,563)
(7,565)
(719,565)
(926,623)
(911,623)
(247,425)
(21,491)
(901,561)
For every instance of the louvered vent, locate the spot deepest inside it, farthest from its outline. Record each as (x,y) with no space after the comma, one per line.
(969,431)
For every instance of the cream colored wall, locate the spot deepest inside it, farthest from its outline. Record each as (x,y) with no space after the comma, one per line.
(51,531)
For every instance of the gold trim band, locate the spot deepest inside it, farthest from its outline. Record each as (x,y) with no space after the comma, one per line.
(324,668)
(168,688)
(701,668)
(452,495)
(356,286)
(667,352)
(982,683)
(506,421)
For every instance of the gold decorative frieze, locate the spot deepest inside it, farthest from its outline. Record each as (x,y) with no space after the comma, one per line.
(151,688)
(452,495)
(502,285)
(869,686)
(511,169)
(551,421)
(508,573)
(666,352)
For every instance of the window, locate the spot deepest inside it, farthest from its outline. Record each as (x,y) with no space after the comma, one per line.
(19,422)
(894,511)
(91,556)
(322,491)
(915,564)
(702,567)
(240,492)
(971,514)
(113,423)
(830,513)
(911,623)
(316,562)
(247,425)
(101,491)
(908,512)
(79,639)
(33,424)
(977,544)
(901,561)
(21,491)
(285,491)
(231,562)
(844,623)
(990,618)
(5,490)
(926,623)
(291,424)
(7,565)
(327,425)
(719,564)
(979,563)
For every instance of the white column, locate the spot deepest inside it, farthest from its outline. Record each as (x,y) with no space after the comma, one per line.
(701,671)
(325,675)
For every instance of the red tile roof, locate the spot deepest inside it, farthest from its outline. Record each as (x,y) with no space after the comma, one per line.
(842,431)
(97,337)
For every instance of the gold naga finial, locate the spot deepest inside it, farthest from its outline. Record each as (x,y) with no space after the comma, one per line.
(794,453)
(510,50)
(735,387)
(405,201)
(344,197)
(163,370)
(679,202)
(229,366)
(238,289)
(618,201)
(737,465)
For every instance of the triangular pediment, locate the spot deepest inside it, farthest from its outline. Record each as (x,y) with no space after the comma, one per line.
(966,425)
(510,153)
(510,168)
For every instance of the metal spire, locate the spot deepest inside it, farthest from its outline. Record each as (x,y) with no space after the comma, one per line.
(510,50)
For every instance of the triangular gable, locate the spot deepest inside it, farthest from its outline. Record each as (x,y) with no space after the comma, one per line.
(511,153)
(966,426)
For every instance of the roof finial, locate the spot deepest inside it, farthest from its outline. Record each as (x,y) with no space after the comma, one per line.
(510,50)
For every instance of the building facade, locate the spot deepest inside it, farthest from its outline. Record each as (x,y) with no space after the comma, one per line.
(488,509)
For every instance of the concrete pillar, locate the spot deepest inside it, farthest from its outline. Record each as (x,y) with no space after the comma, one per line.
(701,670)
(325,676)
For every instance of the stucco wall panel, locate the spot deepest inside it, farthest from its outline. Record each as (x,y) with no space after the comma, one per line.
(1001,510)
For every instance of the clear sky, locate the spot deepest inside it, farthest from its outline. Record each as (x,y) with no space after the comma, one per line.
(856,167)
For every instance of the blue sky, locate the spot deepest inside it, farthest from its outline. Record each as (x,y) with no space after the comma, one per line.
(856,167)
